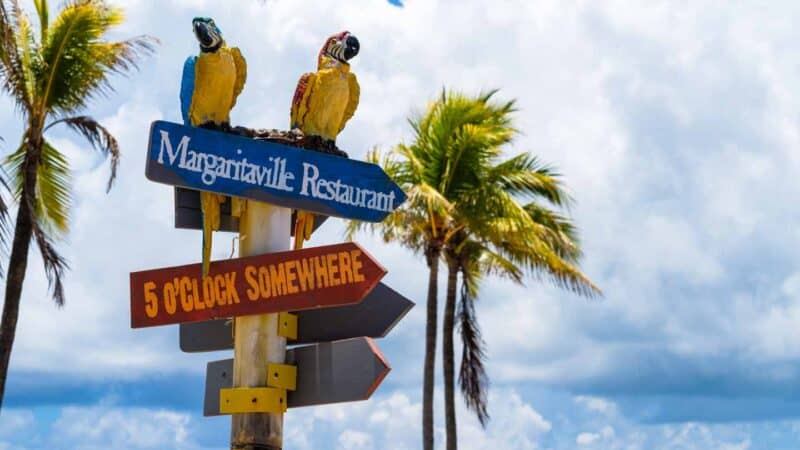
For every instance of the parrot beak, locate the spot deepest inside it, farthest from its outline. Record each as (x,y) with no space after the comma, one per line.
(203,33)
(351,47)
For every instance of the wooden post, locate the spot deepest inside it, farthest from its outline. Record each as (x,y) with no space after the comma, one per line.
(264,228)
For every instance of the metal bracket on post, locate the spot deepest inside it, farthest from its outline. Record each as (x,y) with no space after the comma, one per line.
(282,376)
(287,325)
(252,400)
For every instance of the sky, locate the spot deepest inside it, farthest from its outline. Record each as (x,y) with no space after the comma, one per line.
(675,126)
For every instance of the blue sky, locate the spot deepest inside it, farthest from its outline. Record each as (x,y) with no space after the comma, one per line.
(676,129)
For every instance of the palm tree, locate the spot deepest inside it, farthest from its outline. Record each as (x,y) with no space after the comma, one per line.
(496,234)
(463,206)
(51,78)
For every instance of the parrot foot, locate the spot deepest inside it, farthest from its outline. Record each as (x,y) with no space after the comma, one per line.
(293,138)
(222,126)
(322,145)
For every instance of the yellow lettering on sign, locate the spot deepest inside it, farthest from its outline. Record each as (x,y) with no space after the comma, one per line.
(170,304)
(250,273)
(171,294)
(305,273)
(291,277)
(263,283)
(219,290)
(333,268)
(321,270)
(208,292)
(278,278)
(230,286)
(204,298)
(150,300)
(183,286)
(355,257)
(344,267)
(186,284)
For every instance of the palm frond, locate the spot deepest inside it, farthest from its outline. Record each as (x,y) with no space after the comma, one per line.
(5,218)
(54,264)
(12,72)
(558,231)
(99,137)
(51,201)
(27,49)
(544,263)
(42,10)
(472,377)
(77,62)
(524,175)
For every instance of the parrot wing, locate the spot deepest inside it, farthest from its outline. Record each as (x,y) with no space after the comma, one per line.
(241,73)
(187,89)
(300,99)
(352,101)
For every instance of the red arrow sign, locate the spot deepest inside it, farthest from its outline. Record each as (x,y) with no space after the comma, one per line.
(315,277)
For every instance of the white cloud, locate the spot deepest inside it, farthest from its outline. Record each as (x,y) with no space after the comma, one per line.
(393,422)
(15,420)
(101,427)
(675,126)
(354,440)
(597,404)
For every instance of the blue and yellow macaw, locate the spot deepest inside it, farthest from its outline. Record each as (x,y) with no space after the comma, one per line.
(211,83)
(323,103)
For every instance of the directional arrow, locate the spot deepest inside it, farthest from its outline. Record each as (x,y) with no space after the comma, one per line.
(227,164)
(330,372)
(374,317)
(316,277)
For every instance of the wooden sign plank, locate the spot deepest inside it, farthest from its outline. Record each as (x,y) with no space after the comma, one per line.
(228,164)
(188,215)
(315,277)
(373,317)
(330,372)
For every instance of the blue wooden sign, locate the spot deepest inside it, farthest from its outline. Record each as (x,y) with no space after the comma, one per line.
(228,164)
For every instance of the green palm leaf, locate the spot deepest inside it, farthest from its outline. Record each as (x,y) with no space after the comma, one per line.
(100,139)
(77,62)
(51,201)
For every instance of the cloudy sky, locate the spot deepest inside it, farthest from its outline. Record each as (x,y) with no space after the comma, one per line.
(675,125)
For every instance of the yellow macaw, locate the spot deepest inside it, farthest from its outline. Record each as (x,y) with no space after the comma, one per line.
(323,103)
(211,83)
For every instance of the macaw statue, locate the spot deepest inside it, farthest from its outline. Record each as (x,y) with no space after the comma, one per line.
(323,103)
(211,83)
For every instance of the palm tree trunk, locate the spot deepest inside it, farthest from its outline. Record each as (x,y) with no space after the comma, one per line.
(17,265)
(430,348)
(448,357)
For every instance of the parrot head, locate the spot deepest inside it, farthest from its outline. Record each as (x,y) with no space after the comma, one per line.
(207,34)
(341,46)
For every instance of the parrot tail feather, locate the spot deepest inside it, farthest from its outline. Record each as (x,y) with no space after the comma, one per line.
(210,207)
(303,228)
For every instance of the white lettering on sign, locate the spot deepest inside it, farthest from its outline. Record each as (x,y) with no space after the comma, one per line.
(273,175)
(314,186)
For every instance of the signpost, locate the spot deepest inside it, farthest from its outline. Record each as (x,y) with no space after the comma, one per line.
(285,176)
(374,317)
(333,290)
(314,277)
(330,372)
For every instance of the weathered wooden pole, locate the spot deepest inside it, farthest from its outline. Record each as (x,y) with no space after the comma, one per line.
(263,228)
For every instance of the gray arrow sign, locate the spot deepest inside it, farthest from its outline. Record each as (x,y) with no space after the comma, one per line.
(189,216)
(374,317)
(330,372)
